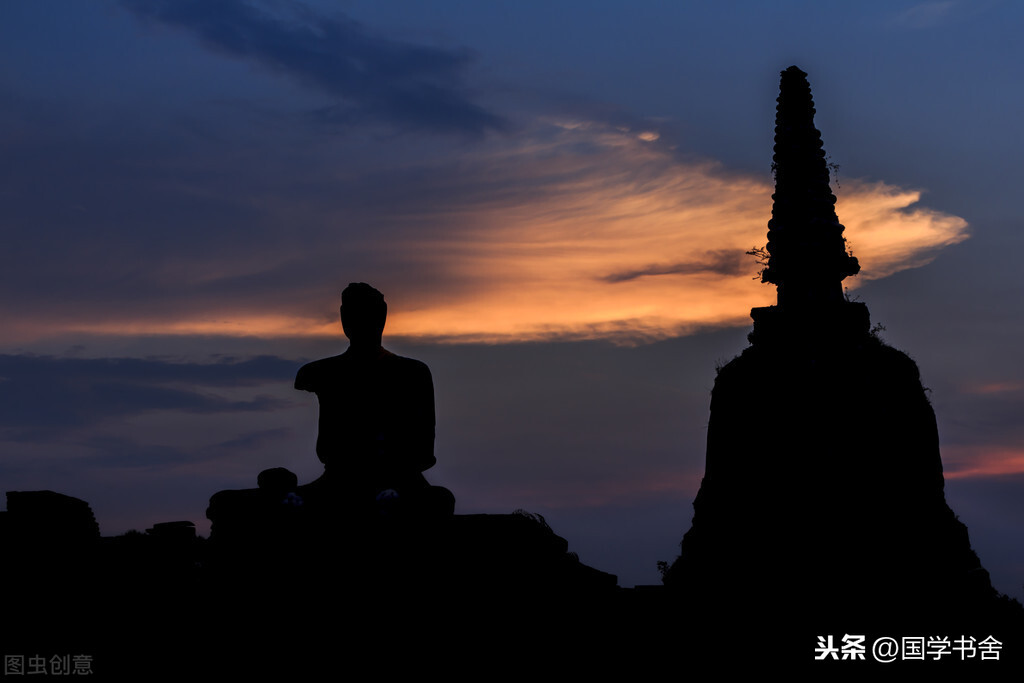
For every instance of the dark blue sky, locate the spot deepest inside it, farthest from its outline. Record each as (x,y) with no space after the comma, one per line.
(555,199)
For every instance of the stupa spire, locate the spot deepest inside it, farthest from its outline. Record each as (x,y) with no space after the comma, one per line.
(808,258)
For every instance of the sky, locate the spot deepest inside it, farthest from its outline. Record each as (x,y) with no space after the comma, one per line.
(555,198)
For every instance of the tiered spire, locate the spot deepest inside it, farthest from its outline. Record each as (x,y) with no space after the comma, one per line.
(808,256)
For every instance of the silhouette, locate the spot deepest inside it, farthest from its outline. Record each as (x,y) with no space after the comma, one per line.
(372,520)
(373,543)
(823,490)
(808,255)
(376,426)
(821,511)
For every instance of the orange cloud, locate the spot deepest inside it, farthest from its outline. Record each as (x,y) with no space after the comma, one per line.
(576,230)
(629,243)
(994,388)
(887,235)
(981,461)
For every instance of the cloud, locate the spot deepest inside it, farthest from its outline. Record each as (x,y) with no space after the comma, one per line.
(375,79)
(994,388)
(573,229)
(250,442)
(594,233)
(982,460)
(43,397)
(720,262)
(119,452)
(886,232)
(106,452)
(923,15)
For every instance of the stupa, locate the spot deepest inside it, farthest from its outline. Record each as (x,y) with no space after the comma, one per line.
(823,491)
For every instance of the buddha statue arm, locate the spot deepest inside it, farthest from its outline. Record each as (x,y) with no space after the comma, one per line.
(421,431)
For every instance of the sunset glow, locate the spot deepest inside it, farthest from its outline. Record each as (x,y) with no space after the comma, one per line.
(596,233)
(982,461)
(556,200)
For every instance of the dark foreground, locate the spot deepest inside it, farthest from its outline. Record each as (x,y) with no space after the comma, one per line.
(470,596)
